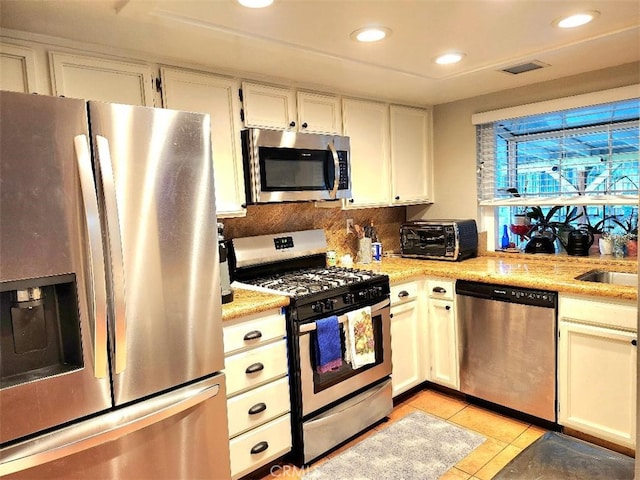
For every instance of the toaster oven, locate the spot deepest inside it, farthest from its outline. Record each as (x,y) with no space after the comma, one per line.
(439,239)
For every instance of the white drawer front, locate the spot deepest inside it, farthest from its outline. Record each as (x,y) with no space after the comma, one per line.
(252,331)
(255,367)
(441,289)
(276,436)
(404,292)
(607,312)
(258,406)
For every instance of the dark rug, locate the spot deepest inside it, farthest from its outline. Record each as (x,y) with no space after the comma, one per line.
(558,456)
(417,447)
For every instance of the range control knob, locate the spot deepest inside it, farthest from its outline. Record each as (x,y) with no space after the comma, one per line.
(317,307)
(329,303)
(363,295)
(348,298)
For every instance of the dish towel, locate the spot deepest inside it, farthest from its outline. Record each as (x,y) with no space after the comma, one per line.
(361,342)
(328,345)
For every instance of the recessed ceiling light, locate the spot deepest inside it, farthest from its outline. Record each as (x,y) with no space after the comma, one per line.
(255,3)
(449,58)
(370,34)
(576,20)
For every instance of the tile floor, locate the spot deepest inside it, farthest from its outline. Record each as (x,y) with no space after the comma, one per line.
(505,437)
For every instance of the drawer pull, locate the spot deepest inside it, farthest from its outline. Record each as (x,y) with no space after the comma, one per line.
(259,448)
(256,367)
(403,294)
(253,335)
(257,408)
(439,290)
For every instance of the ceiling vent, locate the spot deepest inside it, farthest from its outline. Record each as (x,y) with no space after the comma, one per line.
(524,67)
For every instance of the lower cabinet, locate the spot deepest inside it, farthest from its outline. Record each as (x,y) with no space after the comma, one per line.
(258,403)
(597,368)
(409,356)
(443,333)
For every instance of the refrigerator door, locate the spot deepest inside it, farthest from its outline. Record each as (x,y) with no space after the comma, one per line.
(156,179)
(179,435)
(53,346)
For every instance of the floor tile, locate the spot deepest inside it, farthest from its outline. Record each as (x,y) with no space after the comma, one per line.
(482,455)
(498,462)
(455,474)
(437,403)
(489,423)
(529,436)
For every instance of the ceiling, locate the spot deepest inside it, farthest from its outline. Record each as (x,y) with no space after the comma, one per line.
(307,42)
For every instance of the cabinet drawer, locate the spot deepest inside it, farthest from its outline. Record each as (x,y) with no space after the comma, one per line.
(404,292)
(606,312)
(253,330)
(440,289)
(258,406)
(255,367)
(267,443)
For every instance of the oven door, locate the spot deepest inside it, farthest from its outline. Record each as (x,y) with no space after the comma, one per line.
(320,390)
(426,241)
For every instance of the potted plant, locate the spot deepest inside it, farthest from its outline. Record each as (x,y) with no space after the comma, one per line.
(564,227)
(601,235)
(630,235)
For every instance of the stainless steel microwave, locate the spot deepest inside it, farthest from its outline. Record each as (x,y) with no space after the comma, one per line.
(439,239)
(283,166)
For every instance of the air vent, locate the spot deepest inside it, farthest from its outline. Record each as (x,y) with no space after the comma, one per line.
(524,67)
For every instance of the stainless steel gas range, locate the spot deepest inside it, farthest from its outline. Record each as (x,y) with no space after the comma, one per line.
(328,407)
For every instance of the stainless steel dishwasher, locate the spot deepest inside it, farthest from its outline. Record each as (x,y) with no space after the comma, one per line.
(507,341)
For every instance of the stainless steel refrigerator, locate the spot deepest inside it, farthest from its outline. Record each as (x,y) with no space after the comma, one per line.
(110,323)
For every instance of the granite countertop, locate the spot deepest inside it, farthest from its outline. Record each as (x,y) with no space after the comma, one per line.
(549,272)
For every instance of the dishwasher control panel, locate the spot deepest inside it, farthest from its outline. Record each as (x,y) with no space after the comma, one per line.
(503,293)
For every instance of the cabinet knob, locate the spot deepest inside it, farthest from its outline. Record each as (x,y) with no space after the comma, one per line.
(259,448)
(292,124)
(391,315)
(304,125)
(448,307)
(397,197)
(244,205)
(634,342)
(351,200)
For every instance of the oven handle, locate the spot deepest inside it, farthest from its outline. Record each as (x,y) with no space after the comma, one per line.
(310,327)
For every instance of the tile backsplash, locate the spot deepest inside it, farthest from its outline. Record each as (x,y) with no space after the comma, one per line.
(290,217)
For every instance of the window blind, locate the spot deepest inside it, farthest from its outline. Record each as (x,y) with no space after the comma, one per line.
(585,155)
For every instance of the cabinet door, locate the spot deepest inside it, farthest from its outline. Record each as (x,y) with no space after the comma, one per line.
(411,171)
(443,343)
(99,79)
(217,96)
(268,107)
(319,113)
(597,382)
(17,69)
(406,347)
(367,124)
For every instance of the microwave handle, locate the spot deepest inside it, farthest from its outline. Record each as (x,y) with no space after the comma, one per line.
(336,170)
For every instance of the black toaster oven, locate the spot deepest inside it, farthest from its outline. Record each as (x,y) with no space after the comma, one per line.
(439,239)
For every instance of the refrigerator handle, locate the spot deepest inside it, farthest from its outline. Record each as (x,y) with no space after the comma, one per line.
(98,300)
(115,250)
(106,428)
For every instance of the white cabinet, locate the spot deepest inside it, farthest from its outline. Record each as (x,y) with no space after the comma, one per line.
(409,353)
(597,355)
(367,125)
(318,113)
(258,401)
(217,96)
(92,78)
(443,336)
(280,108)
(17,69)
(266,106)
(411,171)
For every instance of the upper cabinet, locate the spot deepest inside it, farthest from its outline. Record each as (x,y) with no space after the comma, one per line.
(367,125)
(280,108)
(411,172)
(17,69)
(100,79)
(217,96)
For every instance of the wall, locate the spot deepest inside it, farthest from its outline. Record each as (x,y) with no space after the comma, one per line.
(455,136)
(289,217)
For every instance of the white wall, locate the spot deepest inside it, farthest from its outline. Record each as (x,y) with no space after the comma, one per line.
(455,137)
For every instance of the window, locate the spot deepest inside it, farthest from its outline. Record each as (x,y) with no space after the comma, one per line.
(586,156)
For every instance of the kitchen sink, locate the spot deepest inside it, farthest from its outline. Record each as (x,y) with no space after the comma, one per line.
(615,278)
